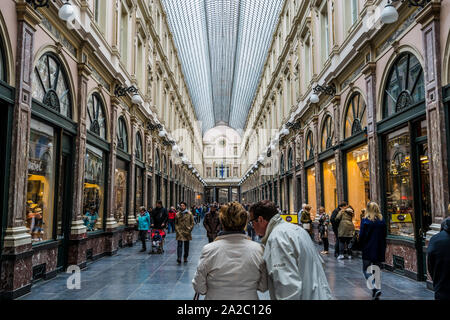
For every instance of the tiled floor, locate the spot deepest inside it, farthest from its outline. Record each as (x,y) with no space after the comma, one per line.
(131,275)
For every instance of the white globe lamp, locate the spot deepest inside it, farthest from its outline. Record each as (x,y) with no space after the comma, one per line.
(389,14)
(66,11)
(136,99)
(314,98)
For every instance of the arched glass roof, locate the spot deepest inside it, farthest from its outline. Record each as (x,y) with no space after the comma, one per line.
(222,45)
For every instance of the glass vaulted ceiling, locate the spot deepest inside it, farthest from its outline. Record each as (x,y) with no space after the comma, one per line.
(222,45)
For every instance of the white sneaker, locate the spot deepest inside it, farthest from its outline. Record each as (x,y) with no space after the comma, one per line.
(340,257)
(350,257)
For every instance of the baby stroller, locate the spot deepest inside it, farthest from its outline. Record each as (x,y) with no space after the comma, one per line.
(157,238)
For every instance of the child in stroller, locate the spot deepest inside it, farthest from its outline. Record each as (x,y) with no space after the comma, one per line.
(157,237)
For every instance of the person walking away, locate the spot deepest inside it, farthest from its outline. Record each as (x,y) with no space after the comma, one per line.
(295,271)
(212,224)
(231,267)
(346,231)
(438,260)
(299,214)
(159,221)
(171,221)
(143,226)
(306,221)
(184,223)
(324,221)
(372,238)
(250,229)
(335,226)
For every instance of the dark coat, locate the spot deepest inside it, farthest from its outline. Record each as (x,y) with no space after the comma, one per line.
(438,254)
(212,224)
(159,216)
(372,239)
(334,222)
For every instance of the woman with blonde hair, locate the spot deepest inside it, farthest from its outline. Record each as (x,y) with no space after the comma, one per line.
(372,237)
(232,266)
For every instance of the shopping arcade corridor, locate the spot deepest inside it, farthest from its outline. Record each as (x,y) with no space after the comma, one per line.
(133,275)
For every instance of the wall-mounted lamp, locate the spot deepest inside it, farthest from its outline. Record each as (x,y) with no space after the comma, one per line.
(390,13)
(328,90)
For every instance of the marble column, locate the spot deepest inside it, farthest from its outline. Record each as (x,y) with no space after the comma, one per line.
(302,167)
(16,275)
(337,152)
(437,135)
(132,188)
(372,140)
(112,237)
(78,232)
(317,167)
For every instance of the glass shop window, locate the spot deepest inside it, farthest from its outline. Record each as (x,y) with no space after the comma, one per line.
(358,181)
(120,191)
(311,181)
(329,185)
(399,193)
(41,182)
(139,188)
(94,188)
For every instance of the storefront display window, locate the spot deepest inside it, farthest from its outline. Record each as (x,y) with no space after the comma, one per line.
(399,193)
(120,191)
(329,185)
(41,182)
(50,86)
(94,188)
(311,184)
(358,186)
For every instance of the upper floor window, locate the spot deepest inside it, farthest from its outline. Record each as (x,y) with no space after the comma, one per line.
(404,86)
(164,164)
(327,134)
(122,135)
(157,161)
(96,122)
(350,13)
(309,146)
(50,85)
(325,33)
(235,151)
(139,150)
(355,117)
(307,75)
(100,14)
(282,164)
(290,159)
(124,35)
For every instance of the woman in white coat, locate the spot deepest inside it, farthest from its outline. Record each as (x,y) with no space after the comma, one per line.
(232,266)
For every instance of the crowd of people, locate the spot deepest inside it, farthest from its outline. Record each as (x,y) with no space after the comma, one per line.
(281,257)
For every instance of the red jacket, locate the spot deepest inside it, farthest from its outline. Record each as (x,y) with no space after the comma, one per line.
(172,214)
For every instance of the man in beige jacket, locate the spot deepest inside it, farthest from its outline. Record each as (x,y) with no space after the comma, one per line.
(184,223)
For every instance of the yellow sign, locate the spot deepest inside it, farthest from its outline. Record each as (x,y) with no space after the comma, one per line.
(292,218)
(401,217)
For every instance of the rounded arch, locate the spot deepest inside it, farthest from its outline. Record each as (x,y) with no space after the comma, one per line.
(282,167)
(53,51)
(106,115)
(96,115)
(355,114)
(387,69)
(7,54)
(404,86)
(290,162)
(164,163)
(309,145)
(122,134)
(139,149)
(326,132)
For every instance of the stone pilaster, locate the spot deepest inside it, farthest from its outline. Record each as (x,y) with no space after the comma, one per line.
(337,153)
(437,140)
(302,166)
(374,165)
(132,188)
(317,166)
(15,278)
(112,241)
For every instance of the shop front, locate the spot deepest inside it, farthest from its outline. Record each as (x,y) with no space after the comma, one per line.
(50,167)
(406,200)
(310,172)
(328,167)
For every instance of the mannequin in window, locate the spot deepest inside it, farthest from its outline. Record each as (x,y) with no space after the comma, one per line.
(90,218)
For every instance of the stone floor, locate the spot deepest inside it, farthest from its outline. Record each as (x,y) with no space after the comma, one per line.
(131,275)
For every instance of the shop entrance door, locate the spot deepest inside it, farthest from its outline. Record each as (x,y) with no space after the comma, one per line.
(64,202)
(423,217)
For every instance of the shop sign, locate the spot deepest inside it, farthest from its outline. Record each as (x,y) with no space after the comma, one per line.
(37,166)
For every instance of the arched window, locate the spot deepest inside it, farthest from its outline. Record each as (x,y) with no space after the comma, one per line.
(309,146)
(157,161)
(327,134)
(3,75)
(404,86)
(122,135)
(139,152)
(96,122)
(290,159)
(355,117)
(282,164)
(170,168)
(50,85)
(164,164)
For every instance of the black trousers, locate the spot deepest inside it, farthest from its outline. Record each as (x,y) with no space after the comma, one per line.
(343,245)
(180,249)
(142,236)
(210,239)
(336,244)
(326,244)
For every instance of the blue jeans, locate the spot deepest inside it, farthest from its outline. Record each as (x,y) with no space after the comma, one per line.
(171,225)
